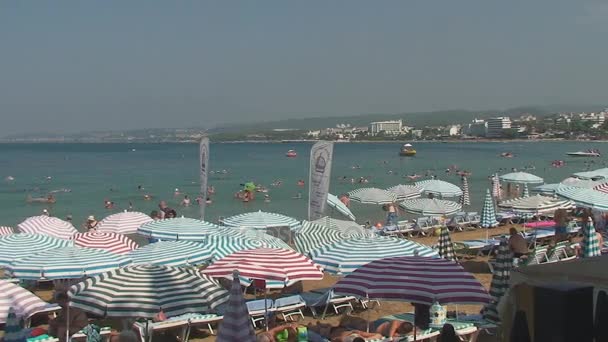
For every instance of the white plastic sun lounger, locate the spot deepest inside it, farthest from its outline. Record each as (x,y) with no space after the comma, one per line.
(177,322)
(257,310)
(203,320)
(289,307)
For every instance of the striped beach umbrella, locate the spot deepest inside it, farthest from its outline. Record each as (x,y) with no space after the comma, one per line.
(13,329)
(445,247)
(345,256)
(226,241)
(526,192)
(66,263)
(313,235)
(419,280)
(123,223)
(179,228)
(465,199)
(500,280)
(404,192)
(536,205)
(47,225)
(172,253)
(23,302)
(439,188)
(588,198)
(343,226)
(17,246)
(521,178)
(111,242)
(145,290)
(372,196)
(334,202)
(236,325)
(590,246)
(261,220)
(546,189)
(6,230)
(496,190)
(430,206)
(488,213)
(602,187)
(270,264)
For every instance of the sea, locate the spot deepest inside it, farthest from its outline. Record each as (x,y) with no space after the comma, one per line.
(83,176)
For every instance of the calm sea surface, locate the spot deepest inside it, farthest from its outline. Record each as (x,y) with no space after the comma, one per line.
(95,172)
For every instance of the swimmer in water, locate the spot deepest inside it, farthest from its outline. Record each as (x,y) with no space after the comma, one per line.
(186,201)
(108,204)
(267,198)
(176,192)
(301,182)
(147,197)
(298,196)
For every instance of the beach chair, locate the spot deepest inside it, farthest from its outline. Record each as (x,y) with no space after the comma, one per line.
(559,252)
(473,218)
(538,256)
(149,328)
(203,320)
(316,300)
(289,307)
(423,225)
(365,302)
(257,309)
(105,332)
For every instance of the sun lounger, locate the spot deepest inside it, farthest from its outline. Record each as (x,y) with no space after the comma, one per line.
(180,323)
(538,256)
(257,309)
(105,333)
(560,252)
(466,331)
(48,309)
(289,307)
(197,320)
(423,225)
(315,300)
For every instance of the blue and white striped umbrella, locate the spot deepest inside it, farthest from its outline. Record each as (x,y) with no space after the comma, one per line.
(177,229)
(236,325)
(172,253)
(17,246)
(583,197)
(226,241)
(261,221)
(66,263)
(343,226)
(372,196)
(521,178)
(590,246)
(430,206)
(439,188)
(404,192)
(488,213)
(343,257)
(334,202)
(547,189)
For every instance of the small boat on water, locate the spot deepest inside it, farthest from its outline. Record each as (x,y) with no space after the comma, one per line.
(407,151)
(588,153)
(291,154)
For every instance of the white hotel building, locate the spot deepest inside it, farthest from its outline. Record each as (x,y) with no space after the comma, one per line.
(388,127)
(497,126)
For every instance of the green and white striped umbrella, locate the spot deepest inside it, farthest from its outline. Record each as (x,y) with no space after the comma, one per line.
(343,226)
(372,196)
(404,192)
(66,263)
(179,228)
(145,290)
(590,246)
(488,213)
(521,178)
(261,221)
(445,247)
(334,202)
(500,280)
(439,188)
(536,205)
(526,191)
(313,235)
(17,246)
(465,199)
(226,241)
(172,253)
(430,206)
(583,197)
(343,257)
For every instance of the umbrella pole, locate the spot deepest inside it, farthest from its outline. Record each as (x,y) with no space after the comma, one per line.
(265,308)
(67,329)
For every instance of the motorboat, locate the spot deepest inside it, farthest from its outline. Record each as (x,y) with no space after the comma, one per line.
(588,153)
(291,154)
(407,151)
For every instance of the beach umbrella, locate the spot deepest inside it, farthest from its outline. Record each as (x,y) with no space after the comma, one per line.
(47,225)
(547,189)
(18,246)
(372,196)
(226,241)
(24,303)
(445,247)
(603,187)
(501,275)
(590,245)
(581,183)
(583,197)
(343,226)
(465,199)
(521,178)
(313,235)
(6,230)
(13,329)
(526,192)
(496,190)
(283,266)
(66,263)
(123,223)
(439,188)
(404,192)
(334,202)
(345,256)
(595,174)
(179,228)
(414,279)
(111,242)
(488,213)
(236,325)
(261,220)
(430,206)
(535,205)
(145,290)
(172,253)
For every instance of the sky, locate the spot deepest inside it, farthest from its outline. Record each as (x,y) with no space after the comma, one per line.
(73,66)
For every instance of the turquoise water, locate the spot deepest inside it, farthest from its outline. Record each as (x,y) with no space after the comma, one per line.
(95,172)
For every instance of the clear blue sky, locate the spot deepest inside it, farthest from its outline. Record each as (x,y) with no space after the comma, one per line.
(86,65)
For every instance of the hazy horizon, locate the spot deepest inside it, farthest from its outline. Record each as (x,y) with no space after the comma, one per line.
(86,66)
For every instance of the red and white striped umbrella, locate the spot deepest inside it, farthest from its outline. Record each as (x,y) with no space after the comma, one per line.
(111,242)
(123,223)
(603,187)
(6,230)
(47,225)
(414,279)
(271,264)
